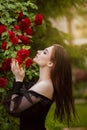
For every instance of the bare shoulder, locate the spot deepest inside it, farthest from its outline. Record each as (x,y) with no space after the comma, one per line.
(44,88)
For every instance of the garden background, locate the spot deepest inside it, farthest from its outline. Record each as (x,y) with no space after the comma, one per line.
(48,22)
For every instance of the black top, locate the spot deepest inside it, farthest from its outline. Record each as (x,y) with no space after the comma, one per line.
(30,106)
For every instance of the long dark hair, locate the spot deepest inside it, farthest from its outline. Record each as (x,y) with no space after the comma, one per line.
(61,75)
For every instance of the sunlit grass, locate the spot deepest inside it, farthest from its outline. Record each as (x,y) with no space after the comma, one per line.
(82,113)
(81,109)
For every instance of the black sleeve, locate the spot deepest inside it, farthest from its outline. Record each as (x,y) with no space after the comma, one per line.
(23,100)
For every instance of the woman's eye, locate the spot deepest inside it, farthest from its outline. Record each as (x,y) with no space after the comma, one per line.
(44,52)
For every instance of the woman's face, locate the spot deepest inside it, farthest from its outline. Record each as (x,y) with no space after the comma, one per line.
(42,57)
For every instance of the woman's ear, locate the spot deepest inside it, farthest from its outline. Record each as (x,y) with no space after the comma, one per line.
(50,64)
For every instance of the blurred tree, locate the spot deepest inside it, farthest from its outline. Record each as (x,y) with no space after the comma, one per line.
(78,55)
(55,9)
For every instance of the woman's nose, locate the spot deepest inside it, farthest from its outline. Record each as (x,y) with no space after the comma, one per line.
(39,51)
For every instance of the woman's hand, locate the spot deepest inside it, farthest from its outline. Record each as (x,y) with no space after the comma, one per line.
(17,70)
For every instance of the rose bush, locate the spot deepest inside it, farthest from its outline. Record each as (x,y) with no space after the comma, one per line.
(15,43)
(17,28)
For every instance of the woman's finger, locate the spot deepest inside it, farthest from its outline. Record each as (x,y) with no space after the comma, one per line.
(17,65)
(12,64)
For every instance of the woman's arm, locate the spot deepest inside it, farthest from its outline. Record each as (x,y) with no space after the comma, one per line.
(21,98)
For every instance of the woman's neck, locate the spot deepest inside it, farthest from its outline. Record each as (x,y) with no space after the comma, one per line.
(44,74)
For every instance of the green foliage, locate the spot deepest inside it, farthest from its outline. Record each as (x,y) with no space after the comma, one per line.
(8,17)
(80,91)
(57,8)
(77,54)
(9,8)
(32,72)
(6,121)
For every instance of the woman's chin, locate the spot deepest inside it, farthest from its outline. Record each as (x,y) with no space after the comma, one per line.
(34,60)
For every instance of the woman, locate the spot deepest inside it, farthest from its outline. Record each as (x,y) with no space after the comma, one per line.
(32,103)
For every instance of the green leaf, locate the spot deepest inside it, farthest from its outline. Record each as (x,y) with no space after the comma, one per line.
(6,53)
(26,47)
(7,14)
(1,7)
(13,55)
(18,47)
(32,5)
(11,6)
(4,35)
(2,90)
(24,8)
(3,20)
(10,20)
(10,44)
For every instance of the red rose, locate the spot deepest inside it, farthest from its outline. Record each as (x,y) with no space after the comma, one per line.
(29,62)
(19,59)
(29,31)
(38,19)
(20,16)
(25,40)
(2,29)
(16,27)
(24,24)
(3,82)
(4,45)
(14,40)
(23,53)
(11,33)
(6,64)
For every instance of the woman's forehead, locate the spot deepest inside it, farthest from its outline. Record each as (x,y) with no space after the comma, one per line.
(49,48)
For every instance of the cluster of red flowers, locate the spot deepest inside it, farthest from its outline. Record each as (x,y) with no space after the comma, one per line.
(20,34)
